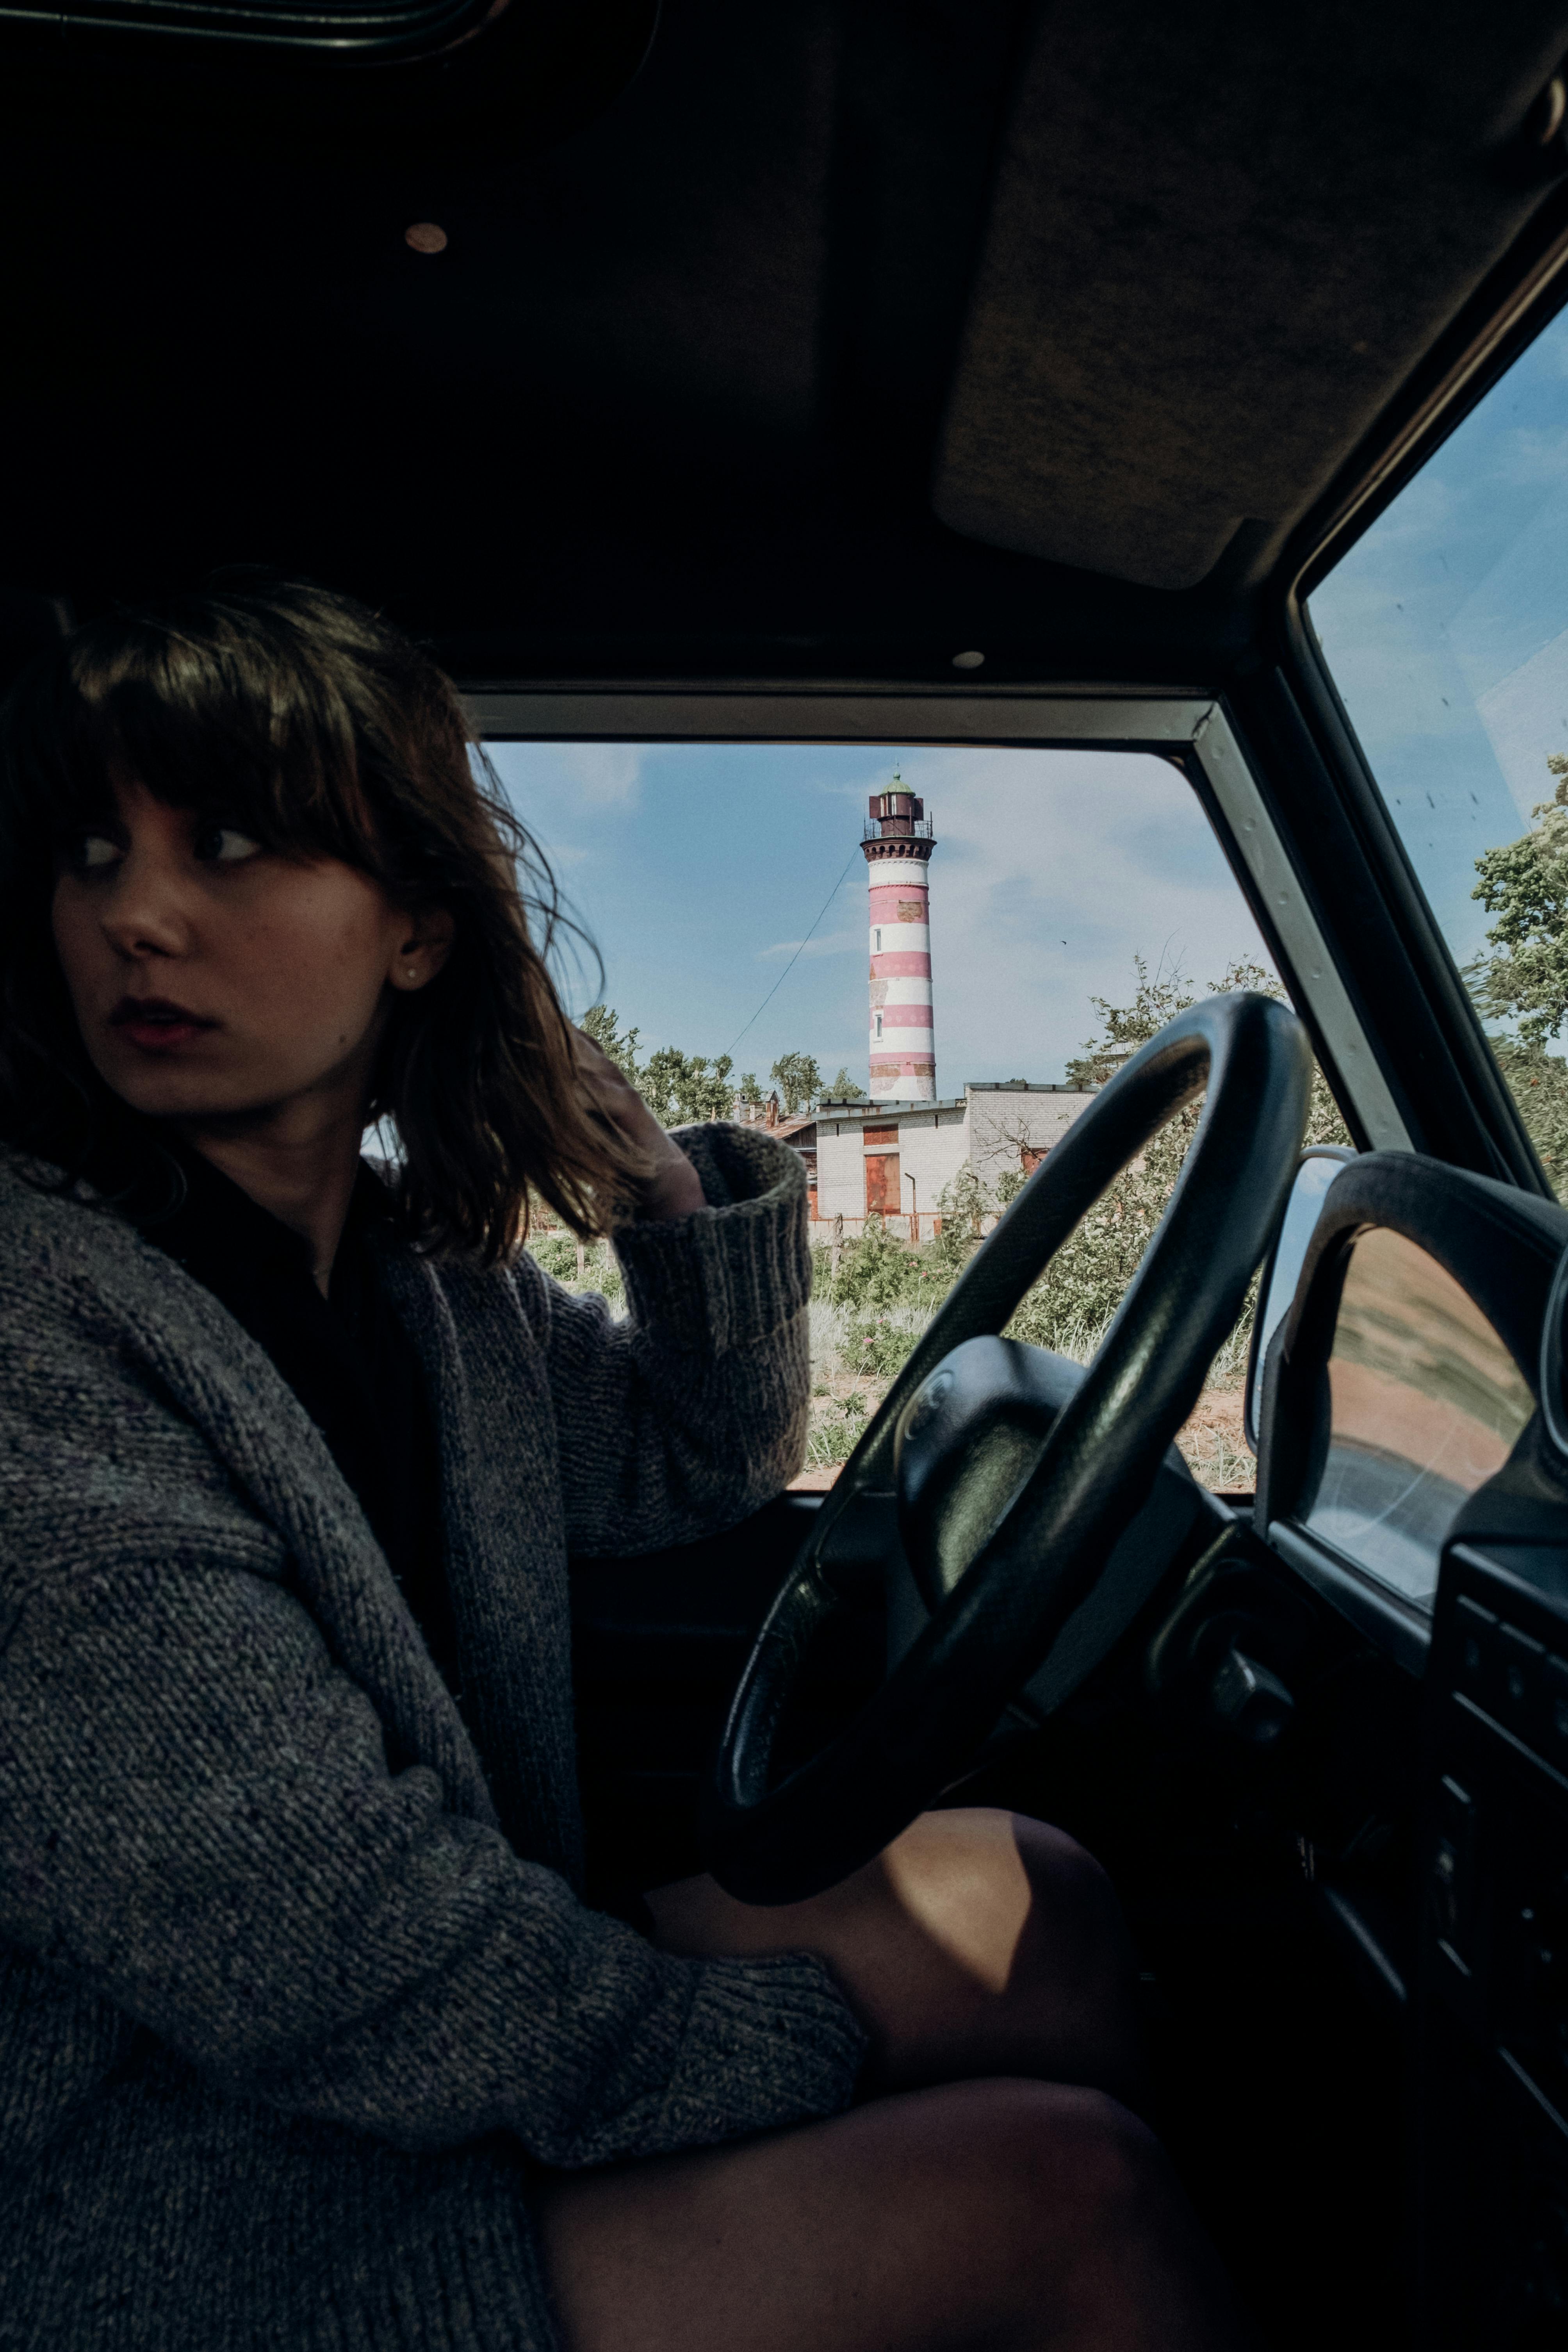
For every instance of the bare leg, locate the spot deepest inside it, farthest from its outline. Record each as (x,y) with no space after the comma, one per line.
(1001,2216)
(980,1943)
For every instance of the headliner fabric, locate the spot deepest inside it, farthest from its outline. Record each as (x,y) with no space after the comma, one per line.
(1220,238)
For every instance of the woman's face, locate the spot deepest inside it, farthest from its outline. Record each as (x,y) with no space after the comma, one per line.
(212,977)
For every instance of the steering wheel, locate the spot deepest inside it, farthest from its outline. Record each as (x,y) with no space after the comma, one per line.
(1025,1531)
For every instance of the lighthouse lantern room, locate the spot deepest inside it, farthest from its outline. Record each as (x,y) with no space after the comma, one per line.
(898,841)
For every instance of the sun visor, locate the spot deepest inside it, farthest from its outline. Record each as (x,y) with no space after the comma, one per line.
(1219,241)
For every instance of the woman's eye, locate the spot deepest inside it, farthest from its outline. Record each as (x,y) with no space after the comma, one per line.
(95,850)
(225,845)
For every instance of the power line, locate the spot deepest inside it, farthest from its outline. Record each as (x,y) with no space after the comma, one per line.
(800,951)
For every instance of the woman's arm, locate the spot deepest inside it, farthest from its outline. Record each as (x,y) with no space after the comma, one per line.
(197,1824)
(691,1411)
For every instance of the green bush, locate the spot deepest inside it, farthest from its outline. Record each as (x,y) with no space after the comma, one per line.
(876,1346)
(962,1206)
(603,1274)
(557,1253)
(876,1270)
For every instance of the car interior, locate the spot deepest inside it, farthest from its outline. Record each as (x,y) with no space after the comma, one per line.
(1017,372)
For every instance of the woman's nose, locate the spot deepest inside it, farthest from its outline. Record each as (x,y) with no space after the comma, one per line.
(145,915)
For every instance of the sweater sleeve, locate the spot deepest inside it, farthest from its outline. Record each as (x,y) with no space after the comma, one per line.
(690,1411)
(198,1824)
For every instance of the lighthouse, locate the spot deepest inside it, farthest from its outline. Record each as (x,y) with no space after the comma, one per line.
(897,842)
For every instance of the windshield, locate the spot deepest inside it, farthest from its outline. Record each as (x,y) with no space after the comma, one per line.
(1446,630)
(917,966)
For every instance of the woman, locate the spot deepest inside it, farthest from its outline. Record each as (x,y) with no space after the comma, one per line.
(309,2040)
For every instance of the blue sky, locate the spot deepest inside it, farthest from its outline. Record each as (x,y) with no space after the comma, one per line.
(1446,630)
(697,870)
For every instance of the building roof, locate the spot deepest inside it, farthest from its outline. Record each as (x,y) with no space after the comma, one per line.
(898,1105)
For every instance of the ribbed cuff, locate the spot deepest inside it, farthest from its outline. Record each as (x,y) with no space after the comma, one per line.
(736,1270)
(767,2042)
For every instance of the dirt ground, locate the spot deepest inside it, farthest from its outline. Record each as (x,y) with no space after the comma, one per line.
(1215,1444)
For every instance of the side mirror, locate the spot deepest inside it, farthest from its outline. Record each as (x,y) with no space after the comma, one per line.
(1319,1167)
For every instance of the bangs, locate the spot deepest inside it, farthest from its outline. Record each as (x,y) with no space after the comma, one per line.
(315,727)
(219,716)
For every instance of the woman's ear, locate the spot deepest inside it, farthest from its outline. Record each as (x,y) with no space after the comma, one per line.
(425,942)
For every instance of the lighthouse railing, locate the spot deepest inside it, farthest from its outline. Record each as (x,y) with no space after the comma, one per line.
(897,828)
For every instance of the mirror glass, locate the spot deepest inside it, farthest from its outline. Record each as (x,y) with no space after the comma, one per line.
(1316,1173)
(1426,1405)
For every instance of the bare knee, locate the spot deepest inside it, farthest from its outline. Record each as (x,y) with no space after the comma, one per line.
(1066,2150)
(1012,2214)
(1062,1873)
(1060,2196)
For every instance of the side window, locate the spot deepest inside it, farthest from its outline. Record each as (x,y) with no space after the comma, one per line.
(916,968)
(1446,630)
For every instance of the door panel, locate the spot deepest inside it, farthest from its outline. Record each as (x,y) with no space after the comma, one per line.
(882,1184)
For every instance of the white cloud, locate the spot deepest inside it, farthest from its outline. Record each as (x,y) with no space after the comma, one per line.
(826,943)
(605,775)
(1526,716)
(545,781)
(1052,871)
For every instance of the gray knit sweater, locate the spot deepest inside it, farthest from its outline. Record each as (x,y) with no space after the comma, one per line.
(296,1993)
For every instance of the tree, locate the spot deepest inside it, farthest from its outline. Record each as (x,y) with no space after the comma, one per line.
(675,1086)
(961,1206)
(747,1090)
(844,1089)
(1125,1027)
(798,1080)
(678,1086)
(599,1022)
(1524,981)
(1325,1121)
(1525,885)
(1083,1285)
(1538,1082)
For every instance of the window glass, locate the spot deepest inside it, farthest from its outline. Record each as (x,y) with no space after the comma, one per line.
(918,966)
(1425,1404)
(1446,629)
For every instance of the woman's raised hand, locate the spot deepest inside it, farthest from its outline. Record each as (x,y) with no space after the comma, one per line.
(671,1187)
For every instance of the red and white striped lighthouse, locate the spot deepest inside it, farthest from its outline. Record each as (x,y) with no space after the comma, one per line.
(897,842)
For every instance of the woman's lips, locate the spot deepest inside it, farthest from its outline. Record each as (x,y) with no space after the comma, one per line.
(156,1024)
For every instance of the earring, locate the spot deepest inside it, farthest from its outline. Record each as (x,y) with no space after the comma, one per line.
(413,971)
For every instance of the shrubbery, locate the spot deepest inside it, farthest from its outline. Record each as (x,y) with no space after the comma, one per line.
(557,1253)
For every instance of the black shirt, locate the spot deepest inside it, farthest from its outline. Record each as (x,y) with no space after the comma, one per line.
(346,1356)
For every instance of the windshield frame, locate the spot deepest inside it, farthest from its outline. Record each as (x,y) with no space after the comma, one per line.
(1193,731)
(1512,307)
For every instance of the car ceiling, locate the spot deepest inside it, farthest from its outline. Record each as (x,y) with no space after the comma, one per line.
(842,337)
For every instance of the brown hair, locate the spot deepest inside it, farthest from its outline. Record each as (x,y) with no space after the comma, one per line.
(332,735)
